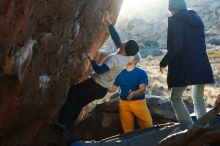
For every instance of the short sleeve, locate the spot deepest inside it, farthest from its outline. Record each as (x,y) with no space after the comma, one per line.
(111,61)
(143,78)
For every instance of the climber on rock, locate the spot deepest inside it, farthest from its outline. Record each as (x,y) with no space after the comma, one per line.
(132,81)
(97,85)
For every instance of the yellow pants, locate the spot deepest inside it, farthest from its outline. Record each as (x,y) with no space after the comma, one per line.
(128,110)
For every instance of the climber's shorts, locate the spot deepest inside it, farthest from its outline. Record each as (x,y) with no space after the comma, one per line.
(129,109)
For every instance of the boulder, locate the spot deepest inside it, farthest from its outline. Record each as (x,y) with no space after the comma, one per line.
(43,45)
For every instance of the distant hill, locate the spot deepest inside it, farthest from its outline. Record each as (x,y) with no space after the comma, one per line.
(149,26)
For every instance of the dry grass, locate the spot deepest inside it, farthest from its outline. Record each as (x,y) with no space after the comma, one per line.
(214,54)
(211,94)
(158,80)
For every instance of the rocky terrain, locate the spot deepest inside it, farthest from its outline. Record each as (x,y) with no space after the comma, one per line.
(105,117)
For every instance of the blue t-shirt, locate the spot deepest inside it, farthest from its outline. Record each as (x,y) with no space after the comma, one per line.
(130,80)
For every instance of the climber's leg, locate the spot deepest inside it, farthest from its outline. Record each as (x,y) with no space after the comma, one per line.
(79,96)
(67,109)
(88,93)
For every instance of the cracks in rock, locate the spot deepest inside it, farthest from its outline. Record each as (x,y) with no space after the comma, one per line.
(11,51)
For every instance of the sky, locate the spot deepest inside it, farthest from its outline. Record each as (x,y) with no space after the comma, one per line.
(137,8)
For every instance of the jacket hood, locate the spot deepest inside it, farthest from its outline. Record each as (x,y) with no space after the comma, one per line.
(190,17)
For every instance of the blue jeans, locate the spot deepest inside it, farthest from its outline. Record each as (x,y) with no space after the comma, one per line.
(181,111)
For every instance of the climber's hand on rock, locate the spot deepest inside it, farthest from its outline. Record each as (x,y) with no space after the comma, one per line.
(108,18)
(90,57)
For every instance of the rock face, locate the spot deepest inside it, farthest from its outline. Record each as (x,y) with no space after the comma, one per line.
(105,118)
(43,45)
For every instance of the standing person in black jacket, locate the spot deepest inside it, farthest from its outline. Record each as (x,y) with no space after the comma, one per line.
(186,59)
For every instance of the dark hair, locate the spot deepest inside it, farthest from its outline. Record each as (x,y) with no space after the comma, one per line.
(131,48)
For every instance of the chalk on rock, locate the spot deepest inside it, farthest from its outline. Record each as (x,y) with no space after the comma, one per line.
(43,82)
(75,30)
(84,56)
(23,58)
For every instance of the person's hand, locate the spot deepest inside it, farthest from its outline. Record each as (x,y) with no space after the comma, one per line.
(217,101)
(162,69)
(130,95)
(108,18)
(90,57)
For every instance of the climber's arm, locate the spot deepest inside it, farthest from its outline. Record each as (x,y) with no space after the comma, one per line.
(114,34)
(99,69)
